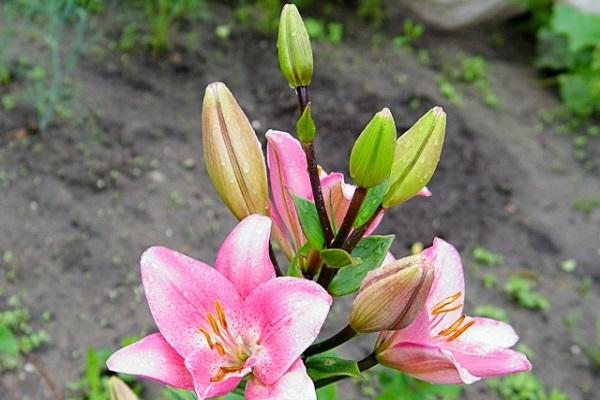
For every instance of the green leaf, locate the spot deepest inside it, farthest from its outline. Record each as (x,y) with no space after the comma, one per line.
(309,219)
(305,127)
(372,251)
(93,374)
(294,267)
(327,393)
(178,394)
(583,30)
(321,367)
(8,342)
(370,204)
(337,258)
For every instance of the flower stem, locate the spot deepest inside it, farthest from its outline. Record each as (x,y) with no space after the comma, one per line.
(341,337)
(366,363)
(359,232)
(273,258)
(327,274)
(313,173)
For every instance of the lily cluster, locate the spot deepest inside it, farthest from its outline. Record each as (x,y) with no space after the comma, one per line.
(250,326)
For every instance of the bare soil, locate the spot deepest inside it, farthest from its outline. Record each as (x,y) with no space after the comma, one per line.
(83,200)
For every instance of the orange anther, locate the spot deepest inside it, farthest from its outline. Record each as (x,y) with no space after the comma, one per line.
(218,376)
(461,331)
(220,349)
(207,337)
(213,323)
(445,302)
(221,314)
(454,326)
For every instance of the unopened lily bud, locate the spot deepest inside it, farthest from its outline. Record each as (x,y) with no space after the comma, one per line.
(293,48)
(232,153)
(416,157)
(373,153)
(390,297)
(118,390)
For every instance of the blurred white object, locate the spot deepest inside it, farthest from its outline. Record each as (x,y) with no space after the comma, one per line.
(586,6)
(454,14)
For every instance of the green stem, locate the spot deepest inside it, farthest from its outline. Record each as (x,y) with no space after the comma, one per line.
(366,363)
(341,337)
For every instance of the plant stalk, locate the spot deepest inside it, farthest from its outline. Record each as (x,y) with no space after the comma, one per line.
(339,338)
(359,232)
(366,363)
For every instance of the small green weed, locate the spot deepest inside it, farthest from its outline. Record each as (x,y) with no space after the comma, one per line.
(411,32)
(486,257)
(586,205)
(593,351)
(491,311)
(522,291)
(524,386)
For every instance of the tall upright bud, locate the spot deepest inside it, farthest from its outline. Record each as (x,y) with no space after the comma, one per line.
(373,153)
(293,48)
(232,153)
(416,157)
(390,297)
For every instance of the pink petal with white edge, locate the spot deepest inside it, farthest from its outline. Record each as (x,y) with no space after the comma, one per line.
(491,333)
(204,364)
(417,332)
(287,174)
(426,362)
(295,384)
(152,357)
(484,361)
(181,292)
(448,280)
(337,196)
(424,192)
(244,255)
(286,315)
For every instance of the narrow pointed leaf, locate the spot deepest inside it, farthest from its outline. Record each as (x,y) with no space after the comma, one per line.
(336,258)
(309,220)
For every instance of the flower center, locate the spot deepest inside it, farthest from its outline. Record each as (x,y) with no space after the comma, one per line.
(222,339)
(456,328)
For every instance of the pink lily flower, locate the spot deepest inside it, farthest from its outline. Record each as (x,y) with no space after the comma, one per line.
(220,324)
(288,175)
(444,345)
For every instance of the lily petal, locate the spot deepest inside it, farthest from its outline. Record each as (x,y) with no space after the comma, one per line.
(204,364)
(449,279)
(426,362)
(424,192)
(280,234)
(181,292)
(287,174)
(490,332)
(287,315)
(295,384)
(152,357)
(486,361)
(244,255)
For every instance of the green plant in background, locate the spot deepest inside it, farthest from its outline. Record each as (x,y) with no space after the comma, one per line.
(524,386)
(486,257)
(411,32)
(491,311)
(593,351)
(522,291)
(59,26)
(569,46)
(16,335)
(392,386)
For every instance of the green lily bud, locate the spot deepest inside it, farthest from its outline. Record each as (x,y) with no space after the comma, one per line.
(416,157)
(232,154)
(305,127)
(390,297)
(118,390)
(373,153)
(293,48)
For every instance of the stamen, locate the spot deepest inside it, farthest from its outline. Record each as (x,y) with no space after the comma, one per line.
(453,327)
(219,375)
(446,310)
(236,368)
(461,331)
(221,314)
(213,323)
(440,307)
(220,349)
(207,337)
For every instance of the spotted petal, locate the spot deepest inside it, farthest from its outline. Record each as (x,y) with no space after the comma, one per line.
(295,384)
(181,292)
(152,357)
(244,255)
(287,315)
(204,365)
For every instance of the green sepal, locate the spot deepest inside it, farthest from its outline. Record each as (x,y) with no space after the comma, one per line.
(370,204)
(294,267)
(372,251)
(309,220)
(338,258)
(323,366)
(305,127)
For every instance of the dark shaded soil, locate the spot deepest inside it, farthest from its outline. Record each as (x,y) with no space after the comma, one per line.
(82,201)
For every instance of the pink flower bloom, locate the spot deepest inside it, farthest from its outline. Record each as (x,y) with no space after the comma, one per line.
(443,345)
(288,175)
(219,324)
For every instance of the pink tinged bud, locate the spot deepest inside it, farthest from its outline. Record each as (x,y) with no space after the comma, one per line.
(390,297)
(232,153)
(118,390)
